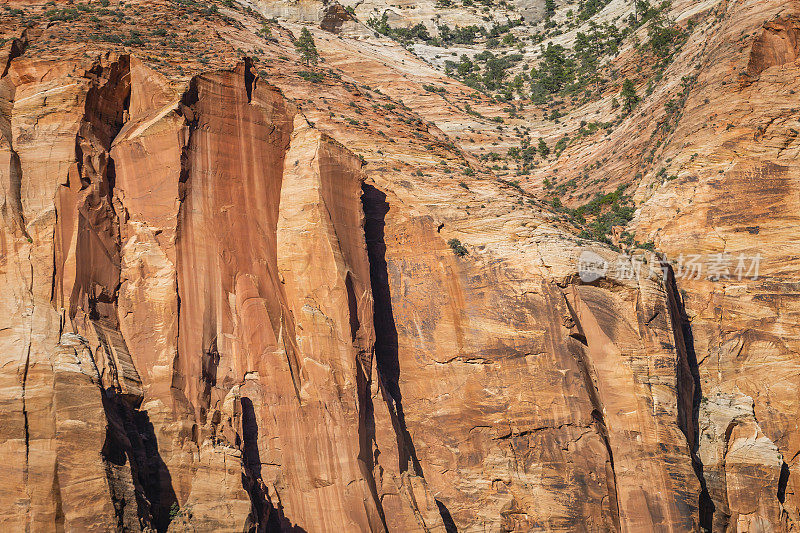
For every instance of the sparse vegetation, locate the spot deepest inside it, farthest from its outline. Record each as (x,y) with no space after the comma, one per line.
(314,77)
(628,95)
(306,48)
(174,511)
(459,249)
(417,32)
(544,150)
(602,213)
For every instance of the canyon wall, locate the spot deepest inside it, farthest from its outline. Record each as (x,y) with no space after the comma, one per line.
(213,320)
(231,301)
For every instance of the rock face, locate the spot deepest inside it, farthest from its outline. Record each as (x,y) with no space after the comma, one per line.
(744,331)
(223,310)
(234,332)
(737,457)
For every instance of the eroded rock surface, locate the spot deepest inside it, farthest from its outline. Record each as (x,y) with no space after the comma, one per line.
(224,308)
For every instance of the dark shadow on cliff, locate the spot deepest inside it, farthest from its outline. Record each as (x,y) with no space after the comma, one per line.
(386,349)
(783,480)
(366,409)
(447,519)
(689,391)
(208,377)
(264,517)
(131,439)
(386,340)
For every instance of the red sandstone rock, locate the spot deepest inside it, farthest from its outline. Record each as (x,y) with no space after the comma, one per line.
(215,318)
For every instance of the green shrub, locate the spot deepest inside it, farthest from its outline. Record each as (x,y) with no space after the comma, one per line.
(629,96)
(544,150)
(314,77)
(459,249)
(174,511)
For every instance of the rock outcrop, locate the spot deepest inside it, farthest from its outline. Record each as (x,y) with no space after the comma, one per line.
(235,299)
(255,352)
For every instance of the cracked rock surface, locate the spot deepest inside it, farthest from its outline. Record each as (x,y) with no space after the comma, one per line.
(229,301)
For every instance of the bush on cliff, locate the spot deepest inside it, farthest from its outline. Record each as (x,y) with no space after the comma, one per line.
(459,249)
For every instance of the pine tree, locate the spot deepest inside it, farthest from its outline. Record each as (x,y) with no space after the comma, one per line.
(265,31)
(641,8)
(544,150)
(629,96)
(549,8)
(306,48)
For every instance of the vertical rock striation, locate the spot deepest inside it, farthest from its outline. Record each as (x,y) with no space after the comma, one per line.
(212,319)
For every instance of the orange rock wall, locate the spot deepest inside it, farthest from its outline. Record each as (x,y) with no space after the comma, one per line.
(212,320)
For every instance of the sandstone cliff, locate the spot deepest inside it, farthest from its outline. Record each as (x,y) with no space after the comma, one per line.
(230,302)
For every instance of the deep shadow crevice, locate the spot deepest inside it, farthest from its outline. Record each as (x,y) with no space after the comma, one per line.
(386,346)
(131,439)
(386,339)
(264,517)
(782,482)
(249,78)
(17,48)
(689,390)
(449,524)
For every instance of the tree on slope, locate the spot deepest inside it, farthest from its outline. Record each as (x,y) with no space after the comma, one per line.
(306,48)
(629,96)
(549,8)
